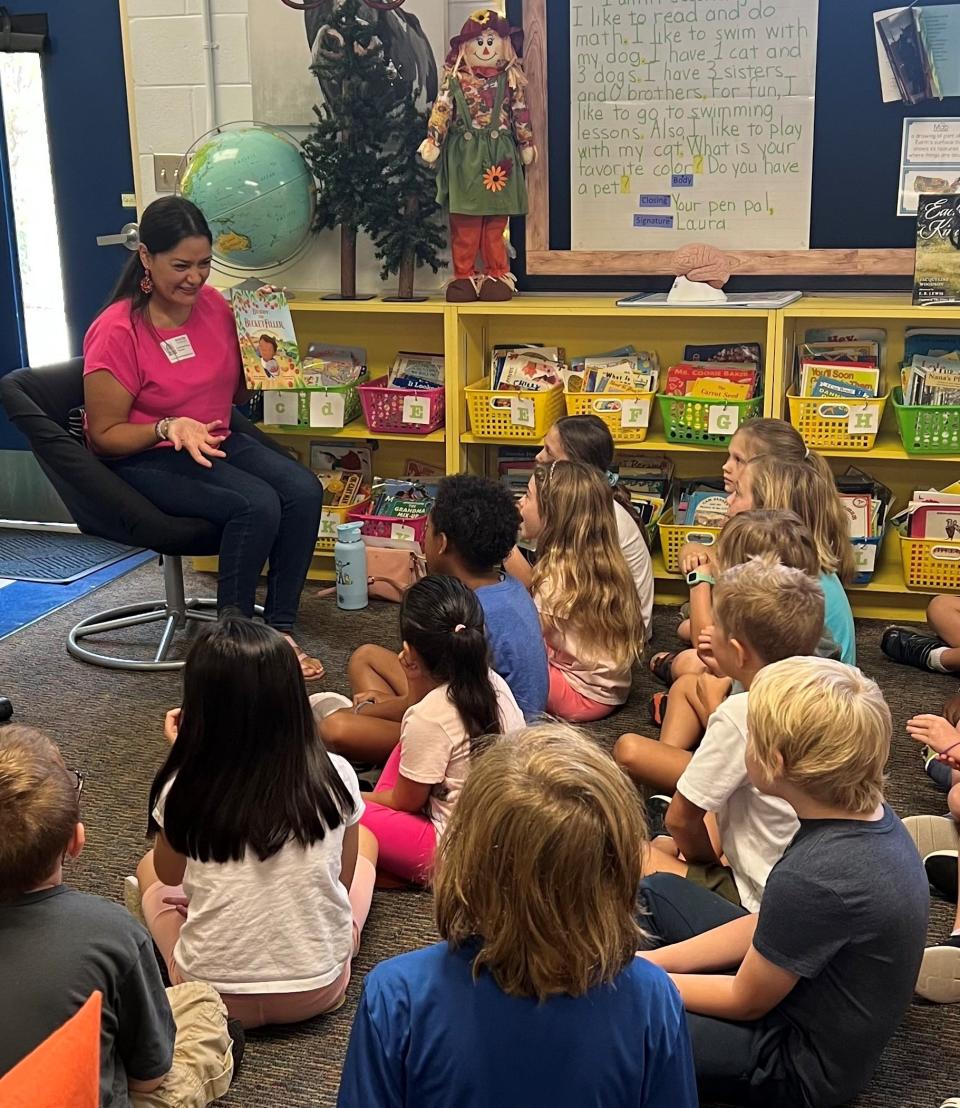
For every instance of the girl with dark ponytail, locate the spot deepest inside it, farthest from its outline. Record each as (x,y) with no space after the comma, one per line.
(458,702)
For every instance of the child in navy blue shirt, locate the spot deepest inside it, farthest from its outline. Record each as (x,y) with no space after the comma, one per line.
(535,996)
(472,528)
(825,971)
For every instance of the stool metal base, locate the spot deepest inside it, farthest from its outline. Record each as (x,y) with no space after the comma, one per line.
(175,612)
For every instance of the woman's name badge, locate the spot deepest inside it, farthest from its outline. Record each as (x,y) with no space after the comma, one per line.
(178,349)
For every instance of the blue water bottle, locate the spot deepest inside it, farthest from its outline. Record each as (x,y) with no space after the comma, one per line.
(350,559)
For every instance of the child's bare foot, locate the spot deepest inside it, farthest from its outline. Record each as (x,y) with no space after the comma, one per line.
(312,668)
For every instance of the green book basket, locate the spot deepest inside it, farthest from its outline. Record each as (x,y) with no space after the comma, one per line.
(927,428)
(687,418)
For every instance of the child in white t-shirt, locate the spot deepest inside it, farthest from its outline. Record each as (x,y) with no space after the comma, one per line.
(763,612)
(458,702)
(260,879)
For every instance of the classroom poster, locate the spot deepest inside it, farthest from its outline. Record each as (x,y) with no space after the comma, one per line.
(691,120)
(929,160)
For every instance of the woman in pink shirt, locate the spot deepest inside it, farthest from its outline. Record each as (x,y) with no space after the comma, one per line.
(162,371)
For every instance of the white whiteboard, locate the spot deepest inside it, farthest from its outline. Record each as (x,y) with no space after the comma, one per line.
(691,121)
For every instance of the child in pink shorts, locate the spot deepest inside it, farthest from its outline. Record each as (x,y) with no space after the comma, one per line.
(589,609)
(458,702)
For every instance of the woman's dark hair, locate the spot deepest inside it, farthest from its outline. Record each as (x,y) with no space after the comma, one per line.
(164,223)
(248,768)
(430,613)
(587,439)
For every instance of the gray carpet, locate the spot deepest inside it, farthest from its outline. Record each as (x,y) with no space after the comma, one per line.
(109,725)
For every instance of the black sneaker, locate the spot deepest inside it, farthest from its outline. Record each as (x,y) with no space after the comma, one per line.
(941,867)
(909,647)
(239,1040)
(657,806)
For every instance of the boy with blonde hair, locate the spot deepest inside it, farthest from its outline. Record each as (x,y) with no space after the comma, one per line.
(58,946)
(825,971)
(763,611)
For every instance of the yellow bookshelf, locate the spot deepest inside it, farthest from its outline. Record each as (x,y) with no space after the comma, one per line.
(886,597)
(585,324)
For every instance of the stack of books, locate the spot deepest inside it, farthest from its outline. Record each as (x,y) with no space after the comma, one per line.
(930,372)
(625,369)
(700,502)
(416,371)
(839,366)
(648,479)
(530,368)
(716,372)
(866,502)
(515,466)
(327,365)
(931,514)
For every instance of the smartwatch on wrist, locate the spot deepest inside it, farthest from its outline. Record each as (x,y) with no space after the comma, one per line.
(699,576)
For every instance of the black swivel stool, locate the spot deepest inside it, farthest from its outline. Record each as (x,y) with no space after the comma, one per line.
(40,403)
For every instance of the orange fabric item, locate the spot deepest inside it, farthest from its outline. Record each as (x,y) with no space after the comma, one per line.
(478,234)
(64,1070)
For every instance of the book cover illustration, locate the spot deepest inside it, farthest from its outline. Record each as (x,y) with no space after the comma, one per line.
(937,268)
(268,342)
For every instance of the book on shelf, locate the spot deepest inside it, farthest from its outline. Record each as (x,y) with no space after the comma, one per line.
(862,377)
(701,501)
(936,276)
(931,514)
(328,457)
(328,365)
(733,352)
(830,338)
(684,377)
(416,371)
(866,502)
(527,368)
(268,343)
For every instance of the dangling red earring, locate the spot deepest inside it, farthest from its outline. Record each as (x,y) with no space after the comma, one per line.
(146,283)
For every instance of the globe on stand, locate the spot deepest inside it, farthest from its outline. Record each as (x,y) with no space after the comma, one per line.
(256,193)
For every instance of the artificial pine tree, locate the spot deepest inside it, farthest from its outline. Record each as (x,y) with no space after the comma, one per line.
(351,127)
(402,215)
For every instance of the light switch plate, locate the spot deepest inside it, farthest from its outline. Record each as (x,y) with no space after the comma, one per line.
(166,168)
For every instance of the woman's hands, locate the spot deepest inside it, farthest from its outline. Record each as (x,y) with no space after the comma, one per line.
(200,440)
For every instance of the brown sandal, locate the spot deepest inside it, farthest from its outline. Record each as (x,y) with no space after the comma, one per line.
(660,665)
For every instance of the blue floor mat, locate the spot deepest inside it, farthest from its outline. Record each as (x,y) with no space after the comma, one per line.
(55,557)
(24,602)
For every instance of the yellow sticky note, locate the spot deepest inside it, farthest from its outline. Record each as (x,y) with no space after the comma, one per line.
(698,163)
(624,184)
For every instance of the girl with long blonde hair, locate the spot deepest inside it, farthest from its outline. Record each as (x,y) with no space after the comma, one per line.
(535,995)
(799,487)
(589,609)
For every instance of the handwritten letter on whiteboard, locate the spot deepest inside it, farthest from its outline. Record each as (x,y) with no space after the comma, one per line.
(691,120)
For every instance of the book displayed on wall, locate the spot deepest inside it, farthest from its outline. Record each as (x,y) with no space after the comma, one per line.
(268,342)
(936,278)
(921,49)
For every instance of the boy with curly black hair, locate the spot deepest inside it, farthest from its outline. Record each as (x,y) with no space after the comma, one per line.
(472,528)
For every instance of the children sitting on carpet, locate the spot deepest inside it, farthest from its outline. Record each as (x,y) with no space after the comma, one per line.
(938,648)
(589,609)
(768,482)
(587,439)
(826,971)
(471,530)
(692,699)
(456,703)
(260,878)
(534,996)
(58,946)
(764,611)
(761,437)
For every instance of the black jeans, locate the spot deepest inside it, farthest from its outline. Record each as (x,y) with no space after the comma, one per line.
(267,505)
(736,1063)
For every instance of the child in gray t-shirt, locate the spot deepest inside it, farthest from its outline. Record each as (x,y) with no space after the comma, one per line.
(828,965)
(58,946)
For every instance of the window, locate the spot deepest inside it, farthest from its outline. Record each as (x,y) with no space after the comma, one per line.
(34,209)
